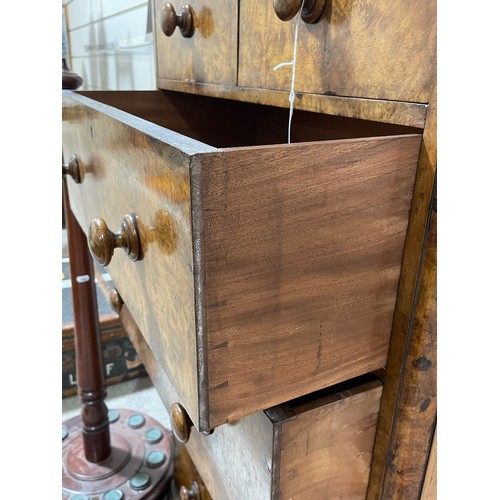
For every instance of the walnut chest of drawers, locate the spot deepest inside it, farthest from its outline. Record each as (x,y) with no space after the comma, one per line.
(266,271)
(259,277)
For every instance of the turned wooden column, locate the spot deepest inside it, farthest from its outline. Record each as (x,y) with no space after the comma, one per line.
(89,366)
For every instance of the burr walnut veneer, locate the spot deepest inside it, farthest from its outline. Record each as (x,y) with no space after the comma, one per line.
(266,270)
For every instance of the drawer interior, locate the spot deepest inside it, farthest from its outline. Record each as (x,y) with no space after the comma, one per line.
(224,123)
(328,395)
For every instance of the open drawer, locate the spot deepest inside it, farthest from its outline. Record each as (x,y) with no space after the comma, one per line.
(258,271)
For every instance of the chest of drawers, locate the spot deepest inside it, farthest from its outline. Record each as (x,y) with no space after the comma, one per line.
(256,272)
(251,258)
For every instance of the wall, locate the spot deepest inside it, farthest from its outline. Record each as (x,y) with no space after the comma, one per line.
(111,43)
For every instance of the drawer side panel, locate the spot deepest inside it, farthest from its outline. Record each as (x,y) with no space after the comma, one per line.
(326,452)
(302,253)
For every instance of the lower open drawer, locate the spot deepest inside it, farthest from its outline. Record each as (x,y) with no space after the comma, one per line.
(318,446)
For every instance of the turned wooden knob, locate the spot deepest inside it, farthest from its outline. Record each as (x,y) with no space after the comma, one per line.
(72,168)
(102,241)
(181,423)
(192,494)
(311,12)
(170,20)
(115,301)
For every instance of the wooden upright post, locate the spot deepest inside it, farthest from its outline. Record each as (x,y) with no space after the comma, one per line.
(122,453)
(89,366)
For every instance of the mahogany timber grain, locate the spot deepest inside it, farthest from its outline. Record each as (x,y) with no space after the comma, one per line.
(301,220)
(210,55)
(326,449)
(235,460)
(383,49)
(224,123)
(273,299)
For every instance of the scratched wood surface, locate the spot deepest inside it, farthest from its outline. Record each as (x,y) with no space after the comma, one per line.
(416,411)
(275,228)
(383,49)
(411,434)
(210,55)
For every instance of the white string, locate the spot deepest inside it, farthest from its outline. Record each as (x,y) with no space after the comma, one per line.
(293,64)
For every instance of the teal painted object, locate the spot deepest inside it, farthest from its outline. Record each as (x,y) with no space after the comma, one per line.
(114,495)
(135,421)
(113,416)
(154,435)
(155,459)
(140,481)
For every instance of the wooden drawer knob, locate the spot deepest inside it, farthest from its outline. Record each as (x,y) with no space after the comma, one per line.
(115,301)
(192,494)
(311,12)
(170,20)
(181,423)
(102,241)
(72,168)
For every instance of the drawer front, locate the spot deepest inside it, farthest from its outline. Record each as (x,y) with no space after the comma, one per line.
(381,49)
(210,54)
(268,271)
(320,448)
(127,170)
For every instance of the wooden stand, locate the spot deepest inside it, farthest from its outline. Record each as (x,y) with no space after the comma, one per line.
(70,80)
(133,455)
